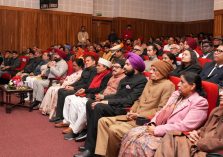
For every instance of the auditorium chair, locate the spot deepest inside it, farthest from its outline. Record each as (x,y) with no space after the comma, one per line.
(203,61)
(211,89)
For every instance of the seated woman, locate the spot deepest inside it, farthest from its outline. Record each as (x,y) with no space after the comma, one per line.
(208,139)
(188,63)
(185,110)
(170,58)
(49,102)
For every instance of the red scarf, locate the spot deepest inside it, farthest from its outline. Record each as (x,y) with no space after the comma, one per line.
(96,82)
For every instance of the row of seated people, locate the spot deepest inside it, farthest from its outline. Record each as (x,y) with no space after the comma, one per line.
(71,111)
(91,85)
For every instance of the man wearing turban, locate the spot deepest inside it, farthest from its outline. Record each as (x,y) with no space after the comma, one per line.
(129,90)
(154,96)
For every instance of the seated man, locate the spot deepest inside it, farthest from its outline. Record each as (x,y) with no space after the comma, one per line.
(75,107)
(208,139)
(129,90)
(213,71)
(154,96)
(86,77)
(13,64)
(56,68)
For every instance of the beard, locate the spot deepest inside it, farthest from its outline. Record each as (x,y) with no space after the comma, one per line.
(129,73)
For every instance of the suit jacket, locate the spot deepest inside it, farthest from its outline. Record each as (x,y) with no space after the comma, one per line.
(215,77)
(129,90)
(32,64)
(189,115)
(86,78)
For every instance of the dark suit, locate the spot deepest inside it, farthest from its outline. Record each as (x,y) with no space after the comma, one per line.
(129,90)
(215,77)
(84,82)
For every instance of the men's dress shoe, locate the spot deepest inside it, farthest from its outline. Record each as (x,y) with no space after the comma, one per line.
(54,119)
(61,125)
(85,153)
(82,136)
(81,148)
(34,104)
(70,136)
(67,130)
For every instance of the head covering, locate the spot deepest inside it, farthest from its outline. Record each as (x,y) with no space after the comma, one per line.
(191,42)
(62,54)
(121,62)
(136,61)
(92,54)
(163,67)
(117,47)
(218,37)
(105,62)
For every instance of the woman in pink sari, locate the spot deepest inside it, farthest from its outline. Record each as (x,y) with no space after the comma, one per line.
(185,110)
(49,102)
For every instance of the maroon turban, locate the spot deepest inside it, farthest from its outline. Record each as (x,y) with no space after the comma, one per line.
(136,61)
(191,42)
(62,54)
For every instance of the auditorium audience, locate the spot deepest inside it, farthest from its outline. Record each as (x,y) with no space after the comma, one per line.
(115,104)
(213,71)
(154,96)
(11,64)
(76,101)
(55,69)
(49,102)
(185,110)
(207,49)
(189,63)
(86,77)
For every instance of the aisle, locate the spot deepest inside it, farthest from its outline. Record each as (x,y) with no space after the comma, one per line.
(29,134)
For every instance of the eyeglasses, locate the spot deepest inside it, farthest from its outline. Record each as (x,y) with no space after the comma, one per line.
(136,50)
(218,50)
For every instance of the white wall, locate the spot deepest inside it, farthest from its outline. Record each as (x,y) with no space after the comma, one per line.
(163,10)
(218,4)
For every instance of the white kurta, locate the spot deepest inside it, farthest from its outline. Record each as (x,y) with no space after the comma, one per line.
(74,112)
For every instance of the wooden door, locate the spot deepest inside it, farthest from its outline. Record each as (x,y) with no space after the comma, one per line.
(101,30)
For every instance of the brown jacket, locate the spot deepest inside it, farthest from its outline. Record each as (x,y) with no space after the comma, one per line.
(154,96)
(212,132)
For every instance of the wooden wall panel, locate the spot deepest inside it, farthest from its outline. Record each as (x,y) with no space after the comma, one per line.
(218,23)
(21,28)
(27,29)
(10,30)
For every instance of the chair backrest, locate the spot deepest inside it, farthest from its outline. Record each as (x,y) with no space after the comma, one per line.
(211,90)
(24,60)
(203,61)
(146,74)
(212,93)
(175,81)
